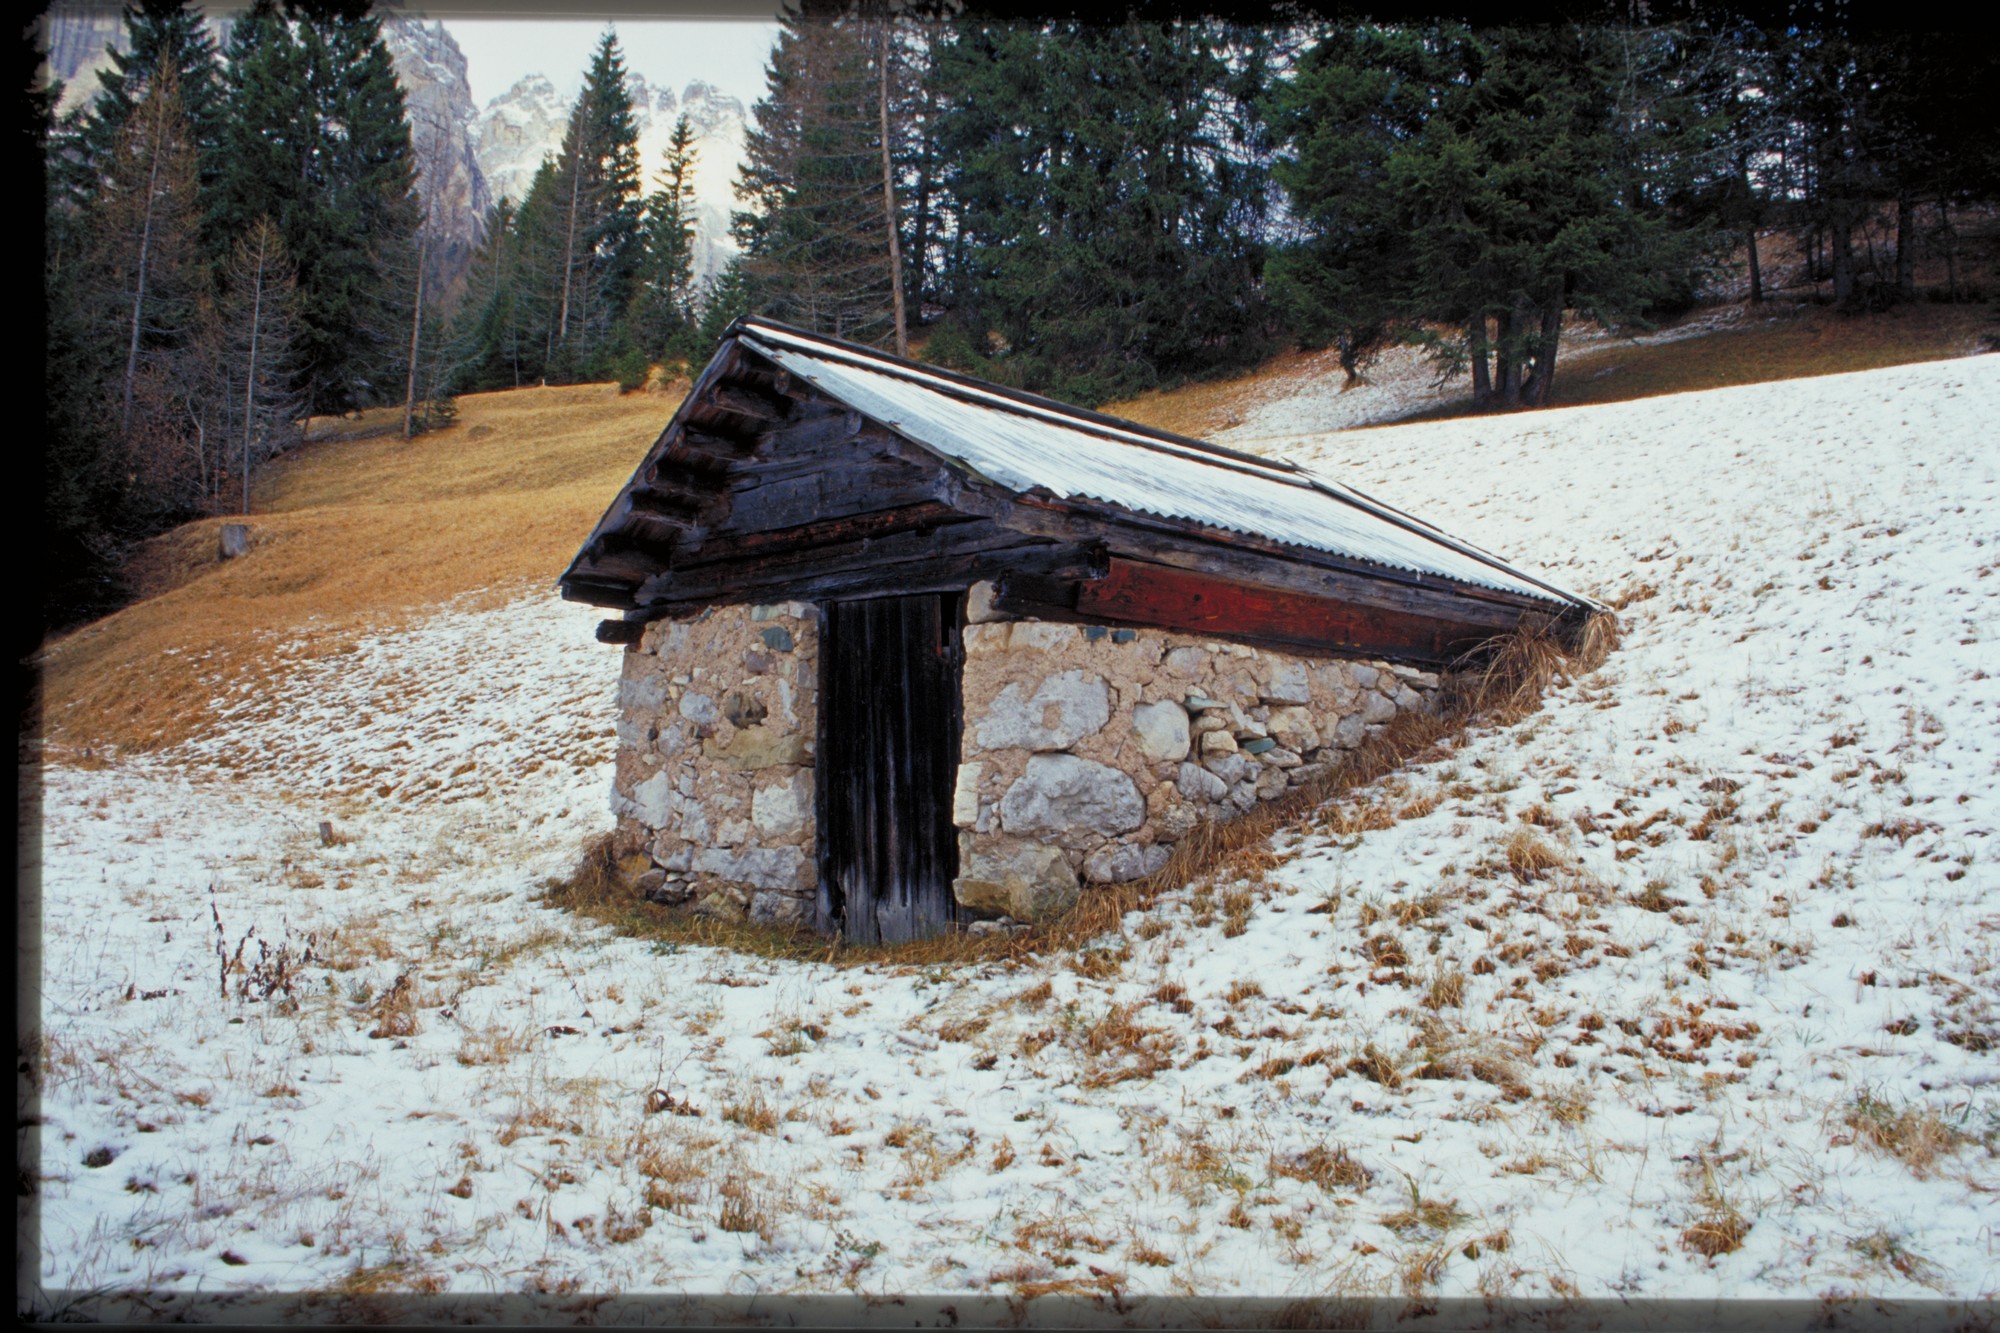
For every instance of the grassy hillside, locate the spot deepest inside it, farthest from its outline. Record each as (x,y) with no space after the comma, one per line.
(1680,987)
(360,529)
(348,533)
(1775,342)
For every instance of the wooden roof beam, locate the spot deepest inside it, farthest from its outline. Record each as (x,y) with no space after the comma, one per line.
(1141,593)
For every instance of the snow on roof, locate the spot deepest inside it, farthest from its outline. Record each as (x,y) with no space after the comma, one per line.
(1023,443)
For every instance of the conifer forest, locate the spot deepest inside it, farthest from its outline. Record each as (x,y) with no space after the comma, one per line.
(235,239)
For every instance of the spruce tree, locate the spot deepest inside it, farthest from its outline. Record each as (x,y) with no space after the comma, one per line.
(1109,216)
(1492,180)
(593,198)
(485,331)
(612,170)
(726,299)
(352,232)
(268,136)
(542,262)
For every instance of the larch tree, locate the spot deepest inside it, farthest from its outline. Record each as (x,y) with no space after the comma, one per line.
(259,396)
(169,35)
(814,230)
(663,298)
(130,313)
(426,378)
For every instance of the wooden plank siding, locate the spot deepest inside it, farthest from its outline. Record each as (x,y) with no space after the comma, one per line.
(890,716)
(1137,592)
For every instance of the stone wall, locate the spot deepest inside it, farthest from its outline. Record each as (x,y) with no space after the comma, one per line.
(713,790)
(1088,752)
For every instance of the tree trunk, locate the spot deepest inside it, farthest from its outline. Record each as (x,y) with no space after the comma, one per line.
(569,258)
(1756,272)
(1950,253)
(1543,376)
(1505,369)
(921,222)
(889,200)
(1843,259)
(250,375)
(416,330)
(1906,247)
(145,252)
(1475,344)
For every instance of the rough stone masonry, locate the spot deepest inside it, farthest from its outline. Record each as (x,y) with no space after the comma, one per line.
(1087,753)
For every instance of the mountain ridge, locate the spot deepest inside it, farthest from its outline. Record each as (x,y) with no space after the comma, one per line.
(469,156)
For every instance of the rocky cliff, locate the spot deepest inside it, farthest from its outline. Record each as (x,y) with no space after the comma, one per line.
(431,69)
(468,156)
(518,128)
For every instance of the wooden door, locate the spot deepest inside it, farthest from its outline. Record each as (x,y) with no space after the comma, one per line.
(889,710)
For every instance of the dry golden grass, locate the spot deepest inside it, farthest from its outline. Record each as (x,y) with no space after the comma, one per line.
(1204,409)
(1332,1169)
(1716,1233)
(349,535)
(1818,341)
(1916,1136)
(1821,341)
(1436,1215)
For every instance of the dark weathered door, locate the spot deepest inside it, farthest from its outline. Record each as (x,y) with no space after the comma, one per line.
(888,758)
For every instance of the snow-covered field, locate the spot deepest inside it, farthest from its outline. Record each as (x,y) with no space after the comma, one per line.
(1685,986)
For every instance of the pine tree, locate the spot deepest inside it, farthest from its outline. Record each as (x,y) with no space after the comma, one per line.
(662,314)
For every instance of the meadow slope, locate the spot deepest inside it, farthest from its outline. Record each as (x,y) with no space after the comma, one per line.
(1685,985)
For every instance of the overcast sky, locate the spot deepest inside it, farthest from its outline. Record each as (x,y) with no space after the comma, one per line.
(671,52)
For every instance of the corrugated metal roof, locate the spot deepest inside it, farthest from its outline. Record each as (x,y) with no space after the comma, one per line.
(1022,443)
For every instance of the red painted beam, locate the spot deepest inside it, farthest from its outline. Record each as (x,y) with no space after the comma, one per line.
(1140,593)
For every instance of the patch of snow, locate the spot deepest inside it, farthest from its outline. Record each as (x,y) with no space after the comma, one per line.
(1762,924)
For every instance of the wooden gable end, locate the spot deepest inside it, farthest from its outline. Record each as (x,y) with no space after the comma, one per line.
(765,489)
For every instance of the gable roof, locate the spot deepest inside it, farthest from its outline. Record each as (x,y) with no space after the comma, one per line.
(1025,443)
(802,466)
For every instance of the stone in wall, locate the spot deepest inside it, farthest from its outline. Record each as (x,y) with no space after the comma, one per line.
(714,779)
(1022,878)
(1071,801)
(1190,729)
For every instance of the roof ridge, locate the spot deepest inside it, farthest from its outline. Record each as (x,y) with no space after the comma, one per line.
(1206,453)
(1016,399)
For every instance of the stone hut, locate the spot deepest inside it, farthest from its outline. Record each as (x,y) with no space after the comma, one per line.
(906,651)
